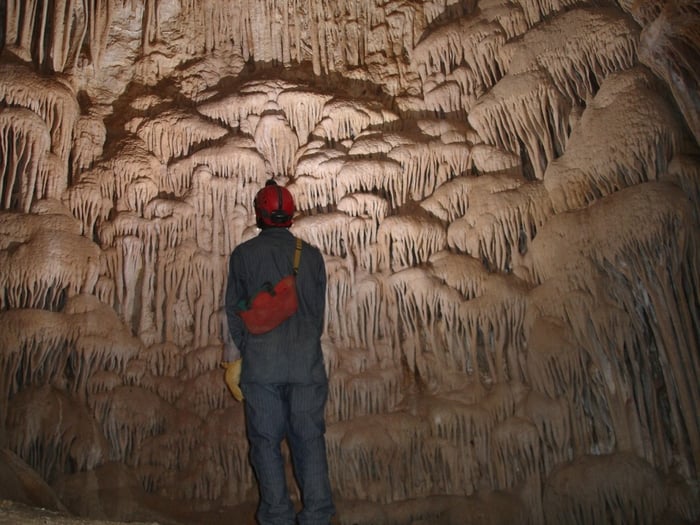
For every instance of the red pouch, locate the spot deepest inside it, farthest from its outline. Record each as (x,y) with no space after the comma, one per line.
(271,306)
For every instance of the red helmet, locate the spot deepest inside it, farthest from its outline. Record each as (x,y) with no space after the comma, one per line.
(274,206)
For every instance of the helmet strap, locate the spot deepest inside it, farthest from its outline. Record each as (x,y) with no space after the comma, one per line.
(278,216)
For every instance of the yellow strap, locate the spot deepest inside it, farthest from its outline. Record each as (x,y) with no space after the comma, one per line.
(297,256)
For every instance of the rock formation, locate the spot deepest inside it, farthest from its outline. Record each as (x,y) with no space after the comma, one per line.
(506,194)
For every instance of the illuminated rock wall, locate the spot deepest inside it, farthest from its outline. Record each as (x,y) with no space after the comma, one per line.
(506,194)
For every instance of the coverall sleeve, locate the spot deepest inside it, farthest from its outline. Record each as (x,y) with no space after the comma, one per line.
(235,292)
(321,283)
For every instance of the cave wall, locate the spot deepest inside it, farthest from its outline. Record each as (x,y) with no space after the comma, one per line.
(505,193)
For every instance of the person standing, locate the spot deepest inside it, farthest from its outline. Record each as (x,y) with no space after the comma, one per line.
(280,373)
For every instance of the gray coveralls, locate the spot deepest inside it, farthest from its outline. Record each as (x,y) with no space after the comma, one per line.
(283,378)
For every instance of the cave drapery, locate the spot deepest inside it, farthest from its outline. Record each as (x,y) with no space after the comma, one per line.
(506,194)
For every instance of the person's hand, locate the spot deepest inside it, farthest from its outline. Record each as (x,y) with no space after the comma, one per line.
(232,377)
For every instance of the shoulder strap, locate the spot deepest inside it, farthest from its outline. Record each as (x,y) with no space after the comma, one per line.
(297,256)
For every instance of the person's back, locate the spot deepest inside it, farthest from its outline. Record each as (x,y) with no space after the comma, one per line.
(282,375)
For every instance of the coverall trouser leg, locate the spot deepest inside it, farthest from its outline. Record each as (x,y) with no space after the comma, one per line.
(274,412)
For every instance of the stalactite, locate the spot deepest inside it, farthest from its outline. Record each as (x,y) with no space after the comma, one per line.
(637,293)
(222,210)
(526,109)
(303,109)
(25,143)
(578,48)
(138,193)
(201,360)
(174,133)
(364,205)
(556,364)
(510,16)
(476,334)
(365,175)
(373,391)
(366,313)
(52,178)
(684,172)
(277,142)
(233,109)
(466,274)
(537,10)
(315,182)
(369,143)
(53,431)
(474,43)
(552,418)
(410,241)
(32,341)
(207,292)
(487,159)
(330,232)
(446,97)
(645,140)
(670,47)
(46,269)
(451,200)
(448,131)
(424,166)
(125,428)
(515,452)
(501,237)
(343,119)
(341,277)
(90,198)
(52,99)
(610,488)
(458,426)
(204,393)
(132,162)
(360,452)
(60,33)
(236,158)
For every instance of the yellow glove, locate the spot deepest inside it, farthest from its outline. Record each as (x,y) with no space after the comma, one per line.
(232,377)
